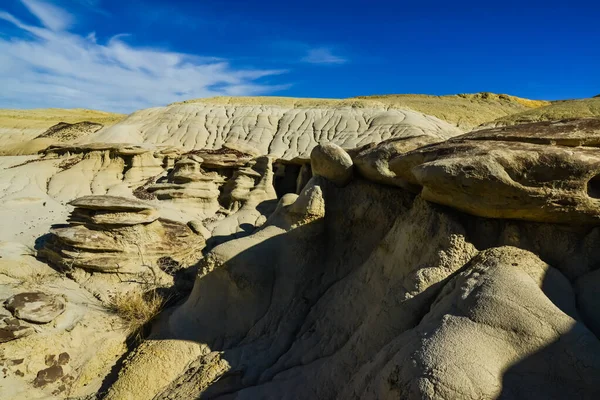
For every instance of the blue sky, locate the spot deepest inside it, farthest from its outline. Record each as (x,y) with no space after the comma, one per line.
(130,54)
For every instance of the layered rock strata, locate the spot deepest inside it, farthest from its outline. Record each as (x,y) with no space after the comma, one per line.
(538,172)
(342,285)
(113,234)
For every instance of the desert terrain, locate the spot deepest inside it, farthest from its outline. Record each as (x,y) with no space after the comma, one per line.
(375,247)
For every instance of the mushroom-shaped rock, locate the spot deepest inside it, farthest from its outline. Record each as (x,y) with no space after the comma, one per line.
(499,176)
(112,203)
(332,162)
(111,210)
(35,307)
(127,236)
(98,217)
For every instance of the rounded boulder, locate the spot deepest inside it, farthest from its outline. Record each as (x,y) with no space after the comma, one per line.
(332,163)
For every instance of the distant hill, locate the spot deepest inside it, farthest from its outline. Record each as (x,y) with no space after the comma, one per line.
(557,110)
(20,128)
(465,111)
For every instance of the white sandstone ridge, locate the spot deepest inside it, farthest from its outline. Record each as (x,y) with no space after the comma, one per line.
(285,132)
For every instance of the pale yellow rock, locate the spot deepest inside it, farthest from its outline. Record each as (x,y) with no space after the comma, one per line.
(503,174)
(333,163)
(281,131)
(85,340)
(358,290)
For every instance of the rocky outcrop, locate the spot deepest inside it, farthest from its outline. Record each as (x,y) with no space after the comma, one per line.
(114,234)
(317,281)
(529,172)
(342,285)
(333,163)
(284,132)
(198,178)
(372,160)
(189,186)
(65,132)
(489,342)
(566,132)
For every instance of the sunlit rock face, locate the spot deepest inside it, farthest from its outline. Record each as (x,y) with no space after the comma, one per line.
(345,283)
(544,172)
(282,132)
(116,234)
(305,253)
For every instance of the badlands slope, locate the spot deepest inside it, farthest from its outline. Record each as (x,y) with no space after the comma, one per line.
(289,128)
(19,128)
(466,111)
(256,120)
(303,248)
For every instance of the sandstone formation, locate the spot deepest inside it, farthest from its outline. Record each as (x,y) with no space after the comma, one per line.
(383,277)
(35,307)
(328,250)
(372,160)
(115,234)
(198,177)
(333,163)
(510,173)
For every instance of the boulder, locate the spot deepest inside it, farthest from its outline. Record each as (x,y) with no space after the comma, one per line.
(332,162)
(36,307)
(508,176)
(371,161)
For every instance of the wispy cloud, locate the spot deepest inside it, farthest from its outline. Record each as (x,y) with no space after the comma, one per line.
(49,15)
(48,66)
(323,55)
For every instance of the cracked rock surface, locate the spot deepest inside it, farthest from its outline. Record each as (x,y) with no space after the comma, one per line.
(351,253)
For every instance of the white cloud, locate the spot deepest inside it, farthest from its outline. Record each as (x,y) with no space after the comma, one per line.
(323,55)
(49,15)
(49,67)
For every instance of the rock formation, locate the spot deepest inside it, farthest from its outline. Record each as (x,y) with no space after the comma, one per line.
(115,234)
(343,285)
(333,163)
(281,132)
(331,252)
(35,307)
(538,172)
